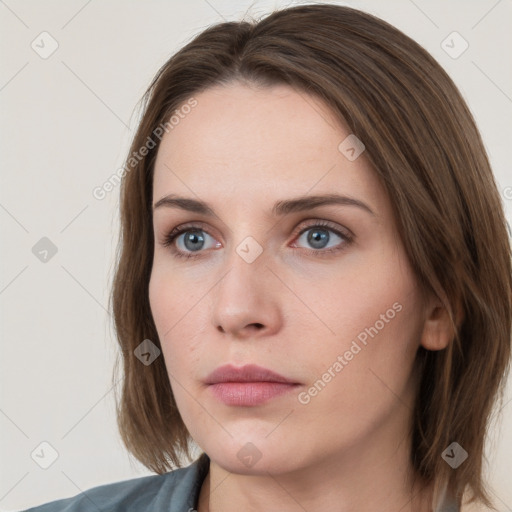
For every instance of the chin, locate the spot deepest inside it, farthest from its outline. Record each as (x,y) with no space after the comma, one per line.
(257,456)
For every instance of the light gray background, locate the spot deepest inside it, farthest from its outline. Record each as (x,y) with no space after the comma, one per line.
(67,121)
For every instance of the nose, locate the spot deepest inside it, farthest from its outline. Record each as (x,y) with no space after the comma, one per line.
(246,299)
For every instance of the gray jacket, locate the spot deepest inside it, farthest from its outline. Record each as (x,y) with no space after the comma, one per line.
(176,491)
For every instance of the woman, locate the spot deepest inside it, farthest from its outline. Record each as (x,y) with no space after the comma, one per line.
(314,281)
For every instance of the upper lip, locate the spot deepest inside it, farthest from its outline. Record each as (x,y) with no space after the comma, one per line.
(247,373)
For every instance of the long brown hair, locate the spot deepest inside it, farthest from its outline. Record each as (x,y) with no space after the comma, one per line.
(424,145)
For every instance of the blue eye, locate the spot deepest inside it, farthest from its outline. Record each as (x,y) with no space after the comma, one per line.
(319,235)
(193,240)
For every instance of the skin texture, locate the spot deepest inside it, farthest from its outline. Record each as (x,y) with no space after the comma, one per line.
(292,310)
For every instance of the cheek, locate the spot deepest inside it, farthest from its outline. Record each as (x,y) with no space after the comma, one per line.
(383,307)
(179,326)
(166,311)
(367,288)
(169,305)
(374,313)
(161,303)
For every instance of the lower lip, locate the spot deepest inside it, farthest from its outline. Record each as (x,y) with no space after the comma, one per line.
(249,393)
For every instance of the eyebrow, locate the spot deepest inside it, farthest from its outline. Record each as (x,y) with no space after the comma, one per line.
(280,208)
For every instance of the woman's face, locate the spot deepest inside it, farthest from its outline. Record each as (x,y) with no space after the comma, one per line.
(319,292)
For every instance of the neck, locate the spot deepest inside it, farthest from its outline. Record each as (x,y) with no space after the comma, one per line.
(369,476)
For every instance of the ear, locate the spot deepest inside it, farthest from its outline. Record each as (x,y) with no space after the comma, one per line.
(437,329)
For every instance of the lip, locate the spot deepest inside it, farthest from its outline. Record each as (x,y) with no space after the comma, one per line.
(247,385)
(247,373)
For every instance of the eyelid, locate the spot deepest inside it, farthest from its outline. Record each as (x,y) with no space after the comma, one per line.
(337,228)
(179,230)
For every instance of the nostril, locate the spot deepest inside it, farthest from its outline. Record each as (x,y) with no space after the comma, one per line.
(255,325)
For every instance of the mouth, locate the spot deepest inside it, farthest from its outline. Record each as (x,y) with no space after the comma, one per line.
(249,385)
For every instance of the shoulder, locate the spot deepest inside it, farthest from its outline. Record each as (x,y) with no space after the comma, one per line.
(176,490)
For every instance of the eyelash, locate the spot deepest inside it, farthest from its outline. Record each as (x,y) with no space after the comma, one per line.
(171,237)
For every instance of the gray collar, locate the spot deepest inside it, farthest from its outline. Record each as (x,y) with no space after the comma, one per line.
(186,493)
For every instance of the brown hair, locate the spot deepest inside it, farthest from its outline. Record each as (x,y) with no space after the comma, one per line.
(424,145)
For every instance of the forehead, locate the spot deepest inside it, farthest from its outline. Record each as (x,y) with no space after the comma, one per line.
(236,120)
(241,140)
